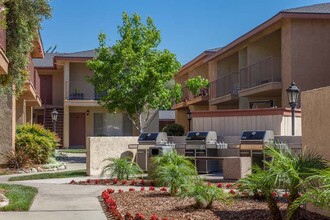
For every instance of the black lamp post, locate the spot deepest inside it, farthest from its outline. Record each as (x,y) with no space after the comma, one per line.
(189,118)
(54,119)
(293,95)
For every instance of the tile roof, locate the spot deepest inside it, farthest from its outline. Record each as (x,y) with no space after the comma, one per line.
(48,60)
(323,8)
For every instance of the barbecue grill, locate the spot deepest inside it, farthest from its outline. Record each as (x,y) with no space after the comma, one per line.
(203,144)
(253,144)
(151,144)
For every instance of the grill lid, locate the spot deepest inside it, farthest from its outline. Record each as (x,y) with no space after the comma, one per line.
(257,136)
(152,137)
(197,135)
(201,137)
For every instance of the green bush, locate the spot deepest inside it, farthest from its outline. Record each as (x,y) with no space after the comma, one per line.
(172,170)
(197,83)
(121,168)
(36,142)
(204,194)
(174,130)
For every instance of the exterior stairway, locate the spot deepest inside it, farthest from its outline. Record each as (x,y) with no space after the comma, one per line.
(59,124)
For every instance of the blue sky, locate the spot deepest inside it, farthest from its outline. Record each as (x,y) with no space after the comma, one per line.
(188,27)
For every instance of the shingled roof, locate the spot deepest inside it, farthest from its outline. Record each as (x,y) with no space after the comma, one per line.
(48,60)
(323,8)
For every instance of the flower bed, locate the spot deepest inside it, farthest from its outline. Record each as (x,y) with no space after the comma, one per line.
(114,181)
(150,203)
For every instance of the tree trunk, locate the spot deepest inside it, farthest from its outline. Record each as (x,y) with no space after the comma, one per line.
(274,210)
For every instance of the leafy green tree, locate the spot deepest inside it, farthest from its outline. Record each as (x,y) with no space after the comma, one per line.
(134,76)
(196,84)
(22,19)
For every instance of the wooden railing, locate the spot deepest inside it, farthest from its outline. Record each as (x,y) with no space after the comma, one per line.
(265,71)
(225,85)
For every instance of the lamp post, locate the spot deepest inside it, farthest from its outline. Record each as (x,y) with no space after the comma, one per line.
(54,119)
(189,119)
(293,95)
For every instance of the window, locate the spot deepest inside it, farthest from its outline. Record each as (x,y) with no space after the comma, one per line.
(106,124)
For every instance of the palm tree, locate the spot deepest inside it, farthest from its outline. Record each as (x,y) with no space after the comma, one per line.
(122,168)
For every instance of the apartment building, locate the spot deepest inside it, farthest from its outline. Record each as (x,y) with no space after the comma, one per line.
(254,71)
(63,86)
(18,110)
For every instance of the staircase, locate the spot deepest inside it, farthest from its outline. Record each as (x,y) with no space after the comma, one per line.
(59,124)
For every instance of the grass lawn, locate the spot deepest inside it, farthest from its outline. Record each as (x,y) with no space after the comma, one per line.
(20,197)
(76,151)
(65,174)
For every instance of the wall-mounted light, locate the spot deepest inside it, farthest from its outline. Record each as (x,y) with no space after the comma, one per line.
(87,112)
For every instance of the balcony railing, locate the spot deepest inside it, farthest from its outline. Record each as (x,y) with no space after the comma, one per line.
(225,85)
(81,90)
(262,72)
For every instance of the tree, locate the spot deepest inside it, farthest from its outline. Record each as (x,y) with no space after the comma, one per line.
(22,19)
(133,76)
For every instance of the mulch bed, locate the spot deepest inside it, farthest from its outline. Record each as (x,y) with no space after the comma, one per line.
(164,206)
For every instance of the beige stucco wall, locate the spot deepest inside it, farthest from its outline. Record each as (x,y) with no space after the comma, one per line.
(305,54)
(100,148)
(316,120)
(227,65)
(78,74)
(268,46)
(20,111)
(234,125)
(7,124)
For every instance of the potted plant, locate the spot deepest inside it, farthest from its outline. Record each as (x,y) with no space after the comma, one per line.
(197,83)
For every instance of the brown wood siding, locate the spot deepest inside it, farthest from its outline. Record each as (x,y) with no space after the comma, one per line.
(46,89)
(77,129)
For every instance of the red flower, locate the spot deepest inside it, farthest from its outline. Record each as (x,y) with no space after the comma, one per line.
(115,181)
(219,185)
(131,189)
(124,182)
(142,182)
(134,182)
(105,181)
(151,188)
(208,183)
(286,195)
(274,194)
(120,190)
(98,181)
(232,192)
(139,216)
(228,185)
(105,195)
(164,189)
(73,182)
(142,189)
(128,216)
(154,217)
(110,191)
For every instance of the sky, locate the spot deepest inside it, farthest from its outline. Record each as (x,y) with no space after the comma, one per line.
(188,27)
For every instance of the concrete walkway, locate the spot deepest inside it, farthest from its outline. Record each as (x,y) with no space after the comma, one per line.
(59,201)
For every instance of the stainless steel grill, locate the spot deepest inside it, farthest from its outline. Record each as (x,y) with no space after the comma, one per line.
(253,144)
(151,144)
(203,144)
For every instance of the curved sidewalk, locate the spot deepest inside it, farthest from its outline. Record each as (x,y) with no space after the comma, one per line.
(58,201)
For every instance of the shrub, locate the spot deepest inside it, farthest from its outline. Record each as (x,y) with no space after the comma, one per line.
(203,194)
(172,170)
(17,159)
(196,84)
(36,142)
(122,168)
(174,130)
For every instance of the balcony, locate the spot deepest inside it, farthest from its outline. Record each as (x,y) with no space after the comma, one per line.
(190,99)
(263,76)
(225,88)
(32,87)
(81,93)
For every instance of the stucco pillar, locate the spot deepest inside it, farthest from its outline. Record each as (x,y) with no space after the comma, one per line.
(29,114)
(66,80)
(20,111)
(7,124)
(286,59)
(66,126)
